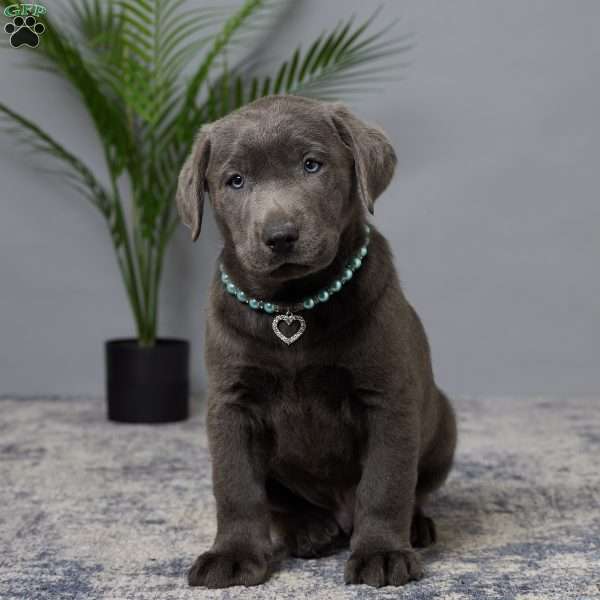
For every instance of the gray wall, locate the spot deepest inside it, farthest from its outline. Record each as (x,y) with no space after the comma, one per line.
(494,214)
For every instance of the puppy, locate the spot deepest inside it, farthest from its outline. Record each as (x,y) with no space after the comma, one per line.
(325,426)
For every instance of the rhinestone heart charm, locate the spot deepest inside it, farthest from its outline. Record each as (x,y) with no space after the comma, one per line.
(288,319)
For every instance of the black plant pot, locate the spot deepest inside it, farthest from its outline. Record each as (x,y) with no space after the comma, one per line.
(147,385)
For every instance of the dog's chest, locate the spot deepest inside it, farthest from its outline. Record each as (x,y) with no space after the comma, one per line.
(316,423)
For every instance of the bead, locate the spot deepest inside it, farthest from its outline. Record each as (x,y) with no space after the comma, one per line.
(308,303)
(346,275)
(355,263)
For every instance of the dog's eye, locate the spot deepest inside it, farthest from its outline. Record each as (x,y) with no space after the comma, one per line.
(311,165)
(236,181)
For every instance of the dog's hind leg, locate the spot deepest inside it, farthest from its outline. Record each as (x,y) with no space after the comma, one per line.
(422,530)
(434,467)
(436,462)
(309,534)
(300,528)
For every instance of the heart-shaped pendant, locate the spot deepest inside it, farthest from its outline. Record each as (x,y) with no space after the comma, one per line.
(288,319)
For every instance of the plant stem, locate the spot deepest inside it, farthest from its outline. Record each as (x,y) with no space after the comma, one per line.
(126,263)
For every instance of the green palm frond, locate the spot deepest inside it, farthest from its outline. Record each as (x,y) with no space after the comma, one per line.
(80,177)
(39,141)
(347,60)
(219,45)
(150,73)
(63,56)
(156,45)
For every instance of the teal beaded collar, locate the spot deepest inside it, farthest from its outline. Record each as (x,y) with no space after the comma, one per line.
(287,312)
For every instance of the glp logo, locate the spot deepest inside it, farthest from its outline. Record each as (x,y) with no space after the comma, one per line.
(24,29)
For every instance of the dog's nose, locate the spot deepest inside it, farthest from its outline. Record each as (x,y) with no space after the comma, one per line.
(280,237)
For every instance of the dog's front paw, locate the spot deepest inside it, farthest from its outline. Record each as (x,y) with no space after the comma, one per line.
(220,569)
(383,568)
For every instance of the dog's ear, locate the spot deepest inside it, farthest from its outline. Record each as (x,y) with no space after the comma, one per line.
(374,157)
(191,186)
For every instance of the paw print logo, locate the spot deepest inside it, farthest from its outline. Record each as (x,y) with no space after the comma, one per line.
(24,32)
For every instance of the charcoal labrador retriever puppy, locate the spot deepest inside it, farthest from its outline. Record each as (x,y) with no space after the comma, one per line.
(325,426)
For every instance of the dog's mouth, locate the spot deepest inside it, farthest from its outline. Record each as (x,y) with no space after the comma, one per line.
(289,271)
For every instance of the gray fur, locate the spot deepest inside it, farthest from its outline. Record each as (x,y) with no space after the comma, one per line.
(339,438)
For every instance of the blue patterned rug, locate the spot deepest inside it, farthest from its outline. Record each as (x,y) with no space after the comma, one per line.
(90,509)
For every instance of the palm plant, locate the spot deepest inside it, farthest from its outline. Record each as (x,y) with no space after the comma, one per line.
(150,73)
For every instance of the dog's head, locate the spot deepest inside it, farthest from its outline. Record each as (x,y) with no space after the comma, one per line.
(285,176)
